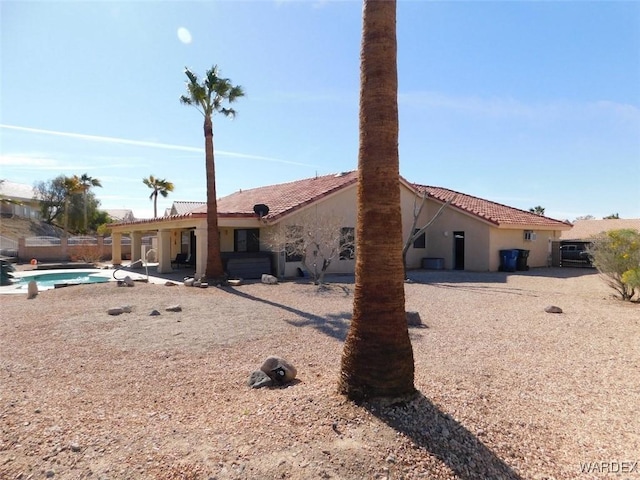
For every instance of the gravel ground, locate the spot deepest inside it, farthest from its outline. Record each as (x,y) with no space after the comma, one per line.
(505,389)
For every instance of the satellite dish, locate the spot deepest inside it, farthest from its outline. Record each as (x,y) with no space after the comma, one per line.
(260,209)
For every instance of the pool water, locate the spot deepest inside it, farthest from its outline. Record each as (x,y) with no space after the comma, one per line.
(49,280)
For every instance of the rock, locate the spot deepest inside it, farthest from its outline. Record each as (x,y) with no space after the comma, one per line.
(173,308)
(74,447)
(128,281)
(279,370)
(259,379)
(170,284)
(32,289)
(188,282)
(413,319)
(154,313)
(126,308)
(115,311)
(269,279)
(553,309)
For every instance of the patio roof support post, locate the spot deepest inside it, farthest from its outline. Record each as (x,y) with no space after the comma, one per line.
(164,251)
(201,252)
(116,248)
(136,247)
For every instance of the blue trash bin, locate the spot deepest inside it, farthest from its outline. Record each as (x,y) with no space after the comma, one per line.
(508,260)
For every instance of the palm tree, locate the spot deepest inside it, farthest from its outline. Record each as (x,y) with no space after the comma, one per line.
(377,360)
(159,186)
(71,186)
(208,97)
(538,210)
(86,182)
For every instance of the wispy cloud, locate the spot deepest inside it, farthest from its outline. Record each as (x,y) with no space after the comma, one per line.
(506,107)
(142,143)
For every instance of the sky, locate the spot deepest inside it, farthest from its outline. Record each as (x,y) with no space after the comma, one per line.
(522,103)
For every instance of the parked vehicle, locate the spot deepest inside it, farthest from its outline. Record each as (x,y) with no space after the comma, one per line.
(575,255)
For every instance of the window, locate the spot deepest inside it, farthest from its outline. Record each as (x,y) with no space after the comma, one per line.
(529,235)
(246,240)
(421,241)
(295,243)
(347,243)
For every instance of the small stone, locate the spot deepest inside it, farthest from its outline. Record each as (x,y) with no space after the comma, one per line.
(32,290)
(128,281)
(75,447)
(50,474)
(553,309)
(126,308)
(154,313)
(269,279)
(413,319)
(170,284)
(259,379)
(173,308)
(115,311)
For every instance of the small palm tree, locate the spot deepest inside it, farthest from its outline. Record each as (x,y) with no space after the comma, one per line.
(71,186)
(159,186)
(86,182)
(208,97)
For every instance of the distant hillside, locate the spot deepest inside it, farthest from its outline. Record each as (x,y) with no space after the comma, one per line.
(17,227)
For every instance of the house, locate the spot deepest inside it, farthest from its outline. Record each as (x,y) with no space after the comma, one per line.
(571,249)
(467,236)
(21,200)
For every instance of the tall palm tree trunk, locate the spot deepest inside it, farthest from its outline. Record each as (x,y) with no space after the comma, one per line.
(377,359)
(214,270)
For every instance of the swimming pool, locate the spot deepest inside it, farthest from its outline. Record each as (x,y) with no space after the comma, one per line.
(49,280)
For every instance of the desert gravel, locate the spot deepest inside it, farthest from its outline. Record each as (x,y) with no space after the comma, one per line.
(506,390)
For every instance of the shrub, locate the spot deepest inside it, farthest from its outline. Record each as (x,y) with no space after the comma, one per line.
(87,253)
(6,278)
(616,255)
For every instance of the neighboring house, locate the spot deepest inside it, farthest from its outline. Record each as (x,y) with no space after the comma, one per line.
(571,249)
(182,207)
(467,236)
(22,200)
(120,215)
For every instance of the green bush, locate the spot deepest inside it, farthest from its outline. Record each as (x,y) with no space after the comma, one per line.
(616,255)
(5,272)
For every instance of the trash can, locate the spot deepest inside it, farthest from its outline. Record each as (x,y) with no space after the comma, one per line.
(508,260)
(521,262)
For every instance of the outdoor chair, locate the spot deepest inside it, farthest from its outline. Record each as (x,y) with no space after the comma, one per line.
(181,259)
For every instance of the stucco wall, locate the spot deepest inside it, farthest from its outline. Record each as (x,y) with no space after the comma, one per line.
(440,238)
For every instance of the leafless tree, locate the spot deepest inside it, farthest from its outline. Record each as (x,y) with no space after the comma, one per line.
(414,232)
(315,240)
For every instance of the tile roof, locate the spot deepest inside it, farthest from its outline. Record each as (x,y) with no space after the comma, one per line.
(283,198)
(583,229)
(496,213)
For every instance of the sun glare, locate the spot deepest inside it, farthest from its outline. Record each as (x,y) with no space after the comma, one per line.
(184,35)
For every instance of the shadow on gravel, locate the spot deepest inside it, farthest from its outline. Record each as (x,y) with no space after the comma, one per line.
(444,437)
(434,277)
(333,325)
